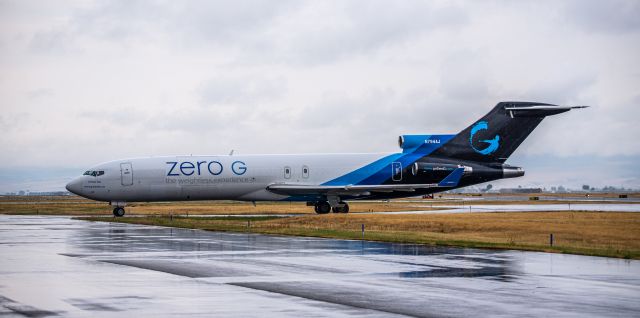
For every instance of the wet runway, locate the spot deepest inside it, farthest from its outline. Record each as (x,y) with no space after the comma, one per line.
(593,197)
(490,208)
(55,266)
(538,207)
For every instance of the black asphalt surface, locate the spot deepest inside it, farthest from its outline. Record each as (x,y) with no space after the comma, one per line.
(56,266)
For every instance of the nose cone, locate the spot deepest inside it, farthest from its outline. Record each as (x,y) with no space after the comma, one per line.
(75,186)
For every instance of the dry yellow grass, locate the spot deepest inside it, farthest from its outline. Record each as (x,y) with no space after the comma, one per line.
(616,230)
(240,208)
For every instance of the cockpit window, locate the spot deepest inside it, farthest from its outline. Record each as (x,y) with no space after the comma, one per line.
(93,173)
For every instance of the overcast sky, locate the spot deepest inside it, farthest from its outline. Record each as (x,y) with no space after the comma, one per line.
(84,82)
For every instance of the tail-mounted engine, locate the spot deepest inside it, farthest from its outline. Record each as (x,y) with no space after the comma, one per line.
(410,143)
(437,169)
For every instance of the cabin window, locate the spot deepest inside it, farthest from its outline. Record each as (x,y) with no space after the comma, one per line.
(305,172)
(287,172)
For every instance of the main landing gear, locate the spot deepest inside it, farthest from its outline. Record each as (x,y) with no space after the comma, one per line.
(323,207)
(343,207)
(118,212)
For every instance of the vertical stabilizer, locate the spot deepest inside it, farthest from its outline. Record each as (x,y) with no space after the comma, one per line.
(494,137)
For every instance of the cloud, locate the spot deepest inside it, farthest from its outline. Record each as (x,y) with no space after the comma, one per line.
(94,81)
(325,32)
(604,17)
(194,24)
(240,91)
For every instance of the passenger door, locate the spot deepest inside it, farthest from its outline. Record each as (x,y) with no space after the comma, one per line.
(126,174)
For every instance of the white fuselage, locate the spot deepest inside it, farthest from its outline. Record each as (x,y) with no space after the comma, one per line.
(227,177)
(427,164)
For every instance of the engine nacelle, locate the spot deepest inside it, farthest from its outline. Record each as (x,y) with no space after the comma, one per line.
(437,168)
(412,142)
(511,171)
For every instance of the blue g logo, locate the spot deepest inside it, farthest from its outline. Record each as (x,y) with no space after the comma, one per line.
(493,144)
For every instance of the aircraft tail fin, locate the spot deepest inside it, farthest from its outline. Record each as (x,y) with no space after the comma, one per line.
(496,136)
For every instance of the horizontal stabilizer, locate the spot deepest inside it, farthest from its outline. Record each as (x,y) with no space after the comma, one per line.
(452,179)
(540,110)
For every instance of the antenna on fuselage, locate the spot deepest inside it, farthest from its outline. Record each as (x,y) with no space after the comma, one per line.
(231,153)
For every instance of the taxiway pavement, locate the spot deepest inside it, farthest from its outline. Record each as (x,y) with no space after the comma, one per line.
(57,266)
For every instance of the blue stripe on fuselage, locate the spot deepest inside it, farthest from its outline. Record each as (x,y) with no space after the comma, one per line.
(360,174)
(380,170)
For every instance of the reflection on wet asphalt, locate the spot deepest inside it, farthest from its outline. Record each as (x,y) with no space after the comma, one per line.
(469,207)
(55,266)
(540,207)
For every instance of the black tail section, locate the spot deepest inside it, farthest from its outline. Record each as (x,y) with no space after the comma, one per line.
(496,136)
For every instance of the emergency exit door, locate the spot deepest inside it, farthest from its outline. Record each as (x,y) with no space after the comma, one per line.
(126,174)
(396,171)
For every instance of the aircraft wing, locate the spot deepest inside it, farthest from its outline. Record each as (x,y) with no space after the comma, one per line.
(451,180)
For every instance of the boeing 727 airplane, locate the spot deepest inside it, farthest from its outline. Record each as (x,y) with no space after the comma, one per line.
(427,164)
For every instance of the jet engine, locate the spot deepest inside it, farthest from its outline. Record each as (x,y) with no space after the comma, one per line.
(410,143)
(437,168)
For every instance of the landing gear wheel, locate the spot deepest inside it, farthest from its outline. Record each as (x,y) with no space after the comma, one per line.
(344,208)
(118,212)
(322,207)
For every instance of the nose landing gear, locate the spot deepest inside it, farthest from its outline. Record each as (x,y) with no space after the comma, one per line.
(118,212)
